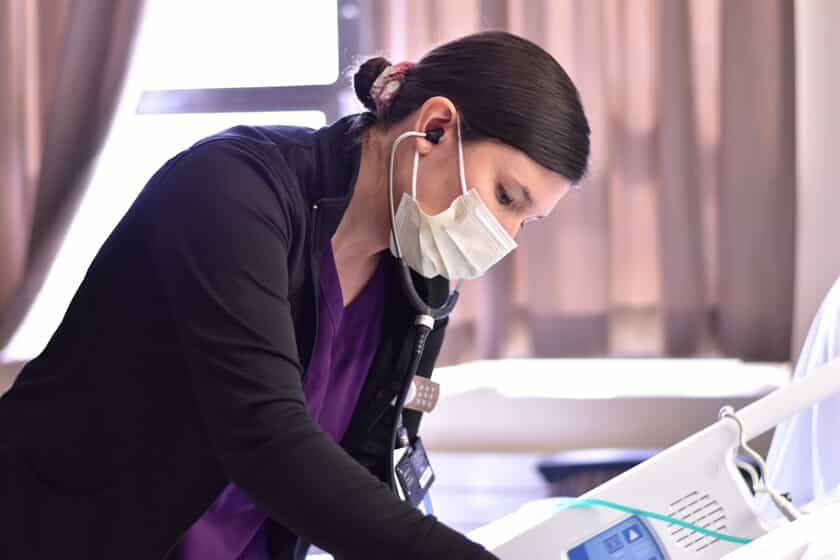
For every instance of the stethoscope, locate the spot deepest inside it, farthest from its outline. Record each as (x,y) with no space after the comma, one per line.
(426,315)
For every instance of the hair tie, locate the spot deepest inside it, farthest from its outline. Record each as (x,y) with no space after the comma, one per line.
(388,83)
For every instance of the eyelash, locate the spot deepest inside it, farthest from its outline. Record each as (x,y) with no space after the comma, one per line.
(503,197)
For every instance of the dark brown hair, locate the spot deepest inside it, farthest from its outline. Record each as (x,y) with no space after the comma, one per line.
(504,87)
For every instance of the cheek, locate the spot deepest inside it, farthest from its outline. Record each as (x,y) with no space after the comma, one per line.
(511,223)
(504,216)
(436,189)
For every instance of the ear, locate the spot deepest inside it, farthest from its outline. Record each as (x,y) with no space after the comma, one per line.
(436,113)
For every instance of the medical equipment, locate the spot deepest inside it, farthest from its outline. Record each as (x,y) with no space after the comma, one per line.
(426,316)
(812,537)
(695,485)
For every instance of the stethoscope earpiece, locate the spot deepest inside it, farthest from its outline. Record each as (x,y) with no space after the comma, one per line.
(434,135)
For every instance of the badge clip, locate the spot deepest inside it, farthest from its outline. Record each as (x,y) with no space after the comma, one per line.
(423,395)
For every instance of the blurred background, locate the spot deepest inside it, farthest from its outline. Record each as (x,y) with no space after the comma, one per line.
(684,274)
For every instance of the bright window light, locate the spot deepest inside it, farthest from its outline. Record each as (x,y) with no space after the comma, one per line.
(191,44)
(135,151)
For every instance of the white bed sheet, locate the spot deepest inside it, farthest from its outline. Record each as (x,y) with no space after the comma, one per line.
(814,537)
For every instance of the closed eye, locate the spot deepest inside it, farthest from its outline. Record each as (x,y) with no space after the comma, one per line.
(503,197)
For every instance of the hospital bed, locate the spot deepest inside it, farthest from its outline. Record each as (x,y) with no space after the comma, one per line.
(688,502)
(546,406)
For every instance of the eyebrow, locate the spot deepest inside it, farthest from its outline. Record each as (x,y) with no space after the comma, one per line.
(527,193)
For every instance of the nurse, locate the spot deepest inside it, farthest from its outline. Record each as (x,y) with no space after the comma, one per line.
(221,386)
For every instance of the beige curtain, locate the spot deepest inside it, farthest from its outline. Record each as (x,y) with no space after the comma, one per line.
(817,139)
(61,67)
(682,240)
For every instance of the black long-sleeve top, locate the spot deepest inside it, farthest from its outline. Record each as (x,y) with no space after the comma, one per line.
(178,368)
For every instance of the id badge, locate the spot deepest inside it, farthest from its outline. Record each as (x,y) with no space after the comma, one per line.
(414,473)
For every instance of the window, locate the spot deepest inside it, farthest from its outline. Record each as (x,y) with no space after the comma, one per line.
(197,44)
(199,67)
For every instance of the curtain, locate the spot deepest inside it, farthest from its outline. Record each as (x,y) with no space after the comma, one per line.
(817,138)
(62,63)
(681,242)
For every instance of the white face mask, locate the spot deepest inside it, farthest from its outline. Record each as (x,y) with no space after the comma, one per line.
(462,242)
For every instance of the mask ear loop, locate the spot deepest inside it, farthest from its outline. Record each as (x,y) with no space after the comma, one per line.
(415,167)
(417,302)
(392,216)
(432,136)
(460,155)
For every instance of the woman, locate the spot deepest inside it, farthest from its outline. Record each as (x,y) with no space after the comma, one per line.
(221,384)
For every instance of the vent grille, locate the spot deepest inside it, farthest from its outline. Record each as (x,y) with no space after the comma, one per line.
(698,509)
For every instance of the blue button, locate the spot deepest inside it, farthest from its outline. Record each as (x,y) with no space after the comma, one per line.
(578,553)
(632,534)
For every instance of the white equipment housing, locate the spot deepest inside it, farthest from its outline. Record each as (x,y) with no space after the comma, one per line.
(695,480)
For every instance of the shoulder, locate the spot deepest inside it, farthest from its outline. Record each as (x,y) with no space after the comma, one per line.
(250,164)
(232,181)
(275,143)
(267,150)
(266,137)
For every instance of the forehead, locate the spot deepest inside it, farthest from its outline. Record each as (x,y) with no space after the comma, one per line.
(515,165)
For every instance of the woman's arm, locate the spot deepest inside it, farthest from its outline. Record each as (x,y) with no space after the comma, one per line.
(219,235)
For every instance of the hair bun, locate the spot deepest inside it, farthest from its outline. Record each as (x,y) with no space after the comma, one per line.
(365,76)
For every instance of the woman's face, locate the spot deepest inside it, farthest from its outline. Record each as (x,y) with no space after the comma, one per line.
(514,187)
